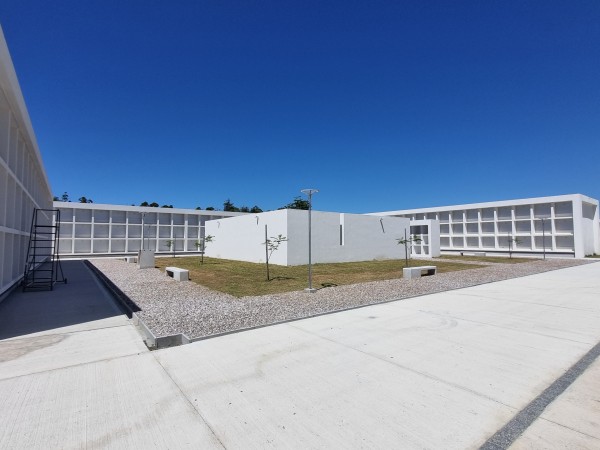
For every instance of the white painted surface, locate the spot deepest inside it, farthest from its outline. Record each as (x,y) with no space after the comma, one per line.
(361,237)
(101,229)
(242,238)
(418,272)
(23,181)
(429,245)
(178,274)
(571,225)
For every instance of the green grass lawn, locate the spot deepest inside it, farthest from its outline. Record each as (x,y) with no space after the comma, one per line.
(243,278)
(491,259)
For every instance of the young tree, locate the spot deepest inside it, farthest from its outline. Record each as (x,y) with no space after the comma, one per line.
(171,244)
(144,204)
(512,240)
(65,197)
(271,245)
(255,209)
(153,205)
(210,208)
(408,243)
(201,245)
(85,200)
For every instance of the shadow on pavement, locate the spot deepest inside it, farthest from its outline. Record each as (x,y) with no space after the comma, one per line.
(83,299)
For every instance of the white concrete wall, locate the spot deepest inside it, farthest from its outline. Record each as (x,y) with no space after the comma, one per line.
(429,246)
(242,238)
(103,230)
(362,237)
(23,181)
(591,227)
(488,226)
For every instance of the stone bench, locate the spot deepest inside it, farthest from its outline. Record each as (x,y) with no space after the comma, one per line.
(178,274)
(131,259)
(418,272)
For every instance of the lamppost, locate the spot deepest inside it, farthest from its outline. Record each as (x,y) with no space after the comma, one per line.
(543,219)
(309,193)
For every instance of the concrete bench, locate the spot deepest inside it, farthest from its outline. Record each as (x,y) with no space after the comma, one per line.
(178,274)
(418,272)
(131,259)
(478,253)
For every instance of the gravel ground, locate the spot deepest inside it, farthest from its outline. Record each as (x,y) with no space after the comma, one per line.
(172,307)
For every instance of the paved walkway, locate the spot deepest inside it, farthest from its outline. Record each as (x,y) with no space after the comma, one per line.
(446,370)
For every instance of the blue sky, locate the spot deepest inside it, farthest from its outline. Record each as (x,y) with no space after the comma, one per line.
(380,105)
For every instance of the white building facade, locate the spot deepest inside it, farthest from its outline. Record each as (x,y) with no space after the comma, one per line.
(563,225)
(23,181)
(336,237)
(91,229)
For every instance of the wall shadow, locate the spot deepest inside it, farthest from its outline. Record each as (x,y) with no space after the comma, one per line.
(83,299)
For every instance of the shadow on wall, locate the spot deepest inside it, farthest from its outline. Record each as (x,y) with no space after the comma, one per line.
(82,300)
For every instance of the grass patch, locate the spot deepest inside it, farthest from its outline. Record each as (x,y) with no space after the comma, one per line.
(491,259)
(243,278)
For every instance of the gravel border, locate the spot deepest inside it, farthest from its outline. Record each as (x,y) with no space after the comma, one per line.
(171,307)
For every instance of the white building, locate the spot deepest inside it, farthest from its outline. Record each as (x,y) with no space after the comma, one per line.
(563,225)
(100,230)
(23,181)
(336,237)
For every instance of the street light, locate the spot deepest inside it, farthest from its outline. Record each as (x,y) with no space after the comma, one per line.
(543,219)
(310,193)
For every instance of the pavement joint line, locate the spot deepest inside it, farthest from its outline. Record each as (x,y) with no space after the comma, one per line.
(508,328)
(513,429)
(570,428)
(187,399)
(409,369)
(69,366)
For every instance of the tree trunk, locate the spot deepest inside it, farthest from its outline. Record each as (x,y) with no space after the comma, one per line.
(267,253)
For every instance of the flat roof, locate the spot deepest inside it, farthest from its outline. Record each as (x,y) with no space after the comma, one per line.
(501,203)
(146,209)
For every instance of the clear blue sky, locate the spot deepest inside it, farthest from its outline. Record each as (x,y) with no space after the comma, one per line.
(380,105)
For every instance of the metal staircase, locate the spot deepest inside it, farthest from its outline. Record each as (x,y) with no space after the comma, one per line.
(42,265)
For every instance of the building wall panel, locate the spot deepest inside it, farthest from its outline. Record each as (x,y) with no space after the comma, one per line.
(23,181)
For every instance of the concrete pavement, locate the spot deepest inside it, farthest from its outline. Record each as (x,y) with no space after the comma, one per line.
(89,383)
(446,370)
(572,421)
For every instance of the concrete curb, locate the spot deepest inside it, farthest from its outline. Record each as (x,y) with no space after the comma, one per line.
(126,303)
(154,342)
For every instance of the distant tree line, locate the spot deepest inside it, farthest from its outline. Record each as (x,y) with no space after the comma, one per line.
(65,198)
(298,203)
(154,205)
